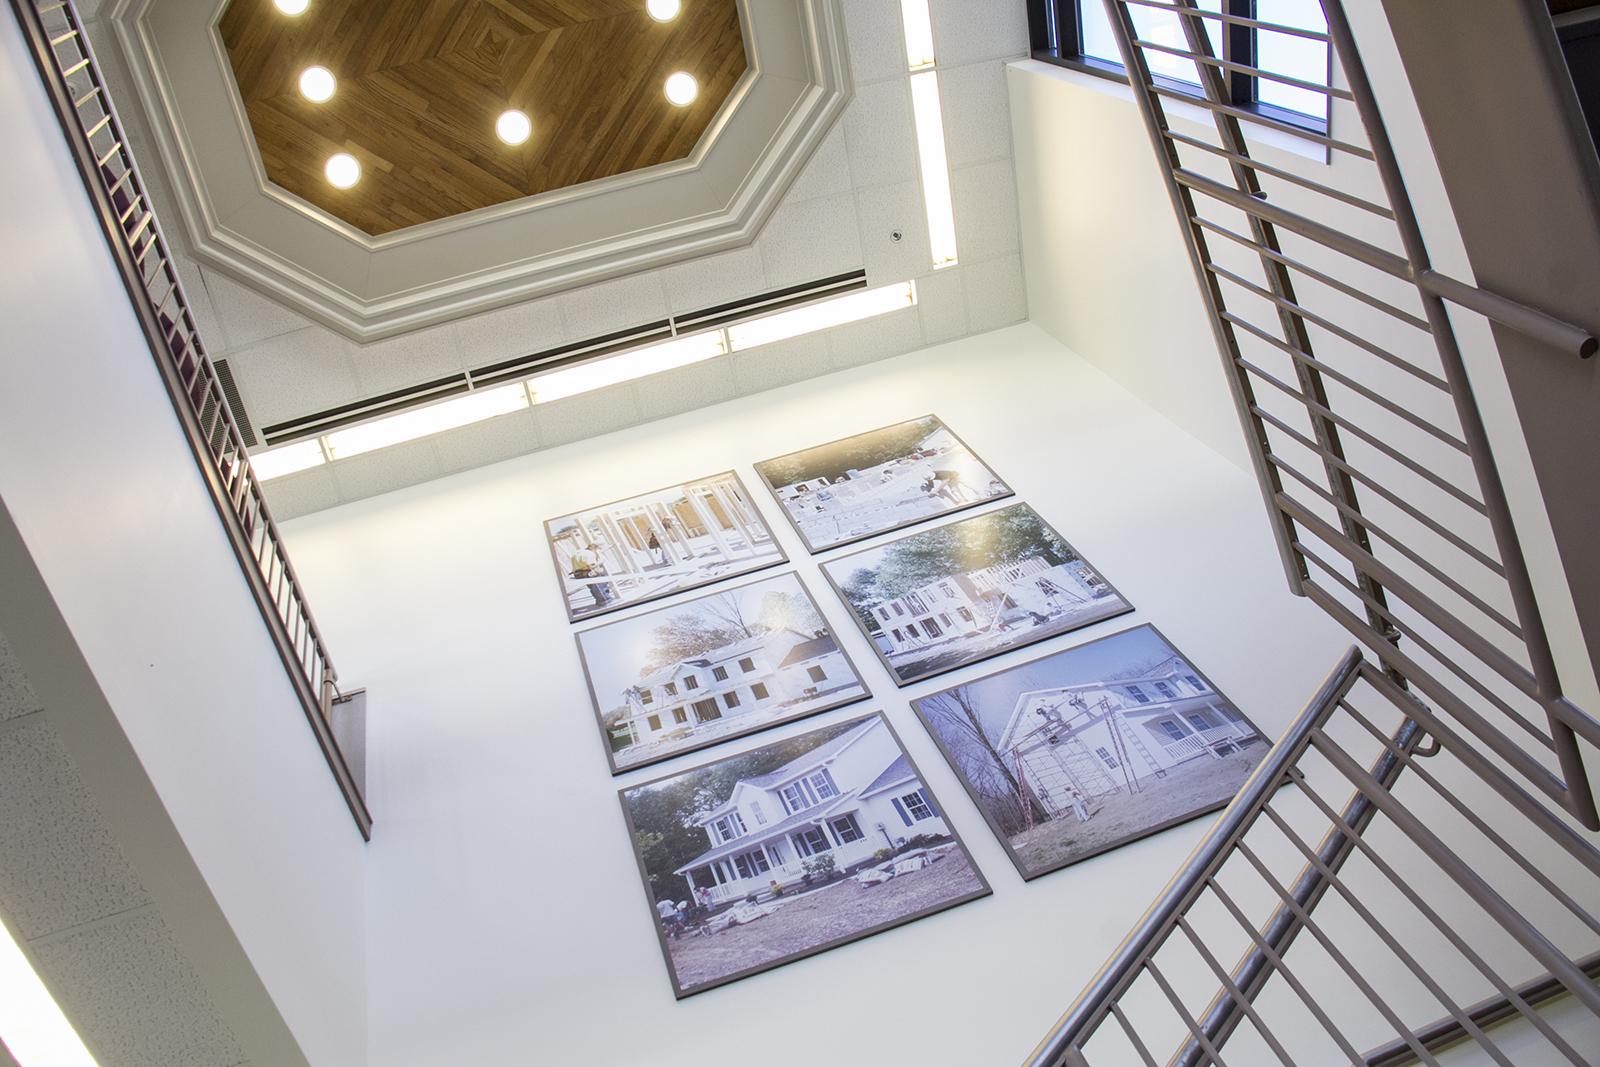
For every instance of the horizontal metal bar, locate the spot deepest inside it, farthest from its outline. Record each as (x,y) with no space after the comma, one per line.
(1246,115)
(1487,1012)
(1530,322)
(1245,68)
(1278,172)
(1237,20)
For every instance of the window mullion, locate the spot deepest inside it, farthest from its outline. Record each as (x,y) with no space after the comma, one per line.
(1239,46)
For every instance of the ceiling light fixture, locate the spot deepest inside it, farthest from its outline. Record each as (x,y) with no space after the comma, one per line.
(317,84)
(513,127)
(291,7)
(343,170)
(663,10)
(682,89)
(625,367)
(929,121)
(276,462)
(919,33)
(31,1024)
(810,318)
(423,422)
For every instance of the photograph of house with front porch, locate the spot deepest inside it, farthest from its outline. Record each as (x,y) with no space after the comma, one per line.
(762,858)
(968,590)
(724,665)
(656,544)
(1093,747)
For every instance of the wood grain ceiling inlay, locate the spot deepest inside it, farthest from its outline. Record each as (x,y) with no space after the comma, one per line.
(421,82)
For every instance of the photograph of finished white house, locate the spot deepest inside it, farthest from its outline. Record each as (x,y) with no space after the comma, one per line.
(963,592)
(656,544)
(802,845)
(1091,748)
(724,665)
(876,481)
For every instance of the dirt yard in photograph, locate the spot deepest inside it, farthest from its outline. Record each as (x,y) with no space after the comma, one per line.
(1117,817)
(818,918)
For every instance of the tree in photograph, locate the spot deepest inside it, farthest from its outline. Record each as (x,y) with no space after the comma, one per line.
(956,713)
(787,611)
(861,590)
(835,461)
(702,627)
(1007,536)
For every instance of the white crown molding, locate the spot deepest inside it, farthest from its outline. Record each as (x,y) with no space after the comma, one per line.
(372,287)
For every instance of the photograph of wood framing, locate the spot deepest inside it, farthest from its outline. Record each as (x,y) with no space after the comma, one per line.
(963,592)
(806,844)
(656,544)
(723,665)
(885,479)
(1088,749)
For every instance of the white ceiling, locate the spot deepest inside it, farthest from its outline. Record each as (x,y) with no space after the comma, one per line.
(860,184)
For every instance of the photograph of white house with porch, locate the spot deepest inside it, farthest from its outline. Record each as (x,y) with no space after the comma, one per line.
(762,858)
(1092,747)
(963,592)
(657,544)
(723,665)
(880,480)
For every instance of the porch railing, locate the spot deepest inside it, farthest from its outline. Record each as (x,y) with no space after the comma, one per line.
(1410,864)
(118,195)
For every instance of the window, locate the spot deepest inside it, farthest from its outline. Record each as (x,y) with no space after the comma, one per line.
(810,841)
(1165,690)
(691,682)
(728,827)
(747,665)
(761,816)
(898,610)
(917,804)
(815,673)
(911,630)
(945,619)
(897,634)
(750,864)
(822,784)
(1289,46)
(679,715)
(1173,730)
(654,722)
(731,699)
(671,689)
(646,697)
(948,591)
(883,613)
(1138,694)
(1199,723)
(795,797)
(1110,760)
(758,691)
(847,829)
(966,616)
(1199,686)
(931,627)
(719,673)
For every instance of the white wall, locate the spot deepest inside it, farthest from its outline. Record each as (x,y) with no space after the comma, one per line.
(107,498)
(507,921)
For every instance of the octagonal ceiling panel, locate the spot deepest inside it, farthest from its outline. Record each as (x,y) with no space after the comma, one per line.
(612,181)
(420,84)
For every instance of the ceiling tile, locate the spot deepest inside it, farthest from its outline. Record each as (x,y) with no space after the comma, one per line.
(389,468)
(875,40)
(942,302)
(17,697)
(985,199)
(995,293)
(301,493)
(880,134)
(614,305)
(587,415)
(976,108)
(59,864)
(407,360)
(885,210)
(783,363)
(685,388)
(965,31)
(294,374)
(810,240)
(133,997)
(487,442)
(874,339)
(712,280)
(508,332)
(826,172)
(245,315)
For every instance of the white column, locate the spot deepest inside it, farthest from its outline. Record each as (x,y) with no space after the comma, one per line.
(735,511)
(710,523)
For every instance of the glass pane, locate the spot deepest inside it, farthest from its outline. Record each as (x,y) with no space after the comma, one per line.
(1296,57)
(1158,27)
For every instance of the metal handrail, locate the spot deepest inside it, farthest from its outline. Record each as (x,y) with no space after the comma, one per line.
(94,135)
(1451,743)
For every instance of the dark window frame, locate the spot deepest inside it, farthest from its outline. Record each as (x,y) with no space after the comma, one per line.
(1055,35)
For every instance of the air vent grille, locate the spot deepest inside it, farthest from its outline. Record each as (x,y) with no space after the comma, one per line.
(230,389)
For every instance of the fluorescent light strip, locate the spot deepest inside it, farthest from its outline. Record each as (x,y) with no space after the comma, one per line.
(821,316)
(919,34)
(935,170)
(32,1026)
(582,378)
(421,422)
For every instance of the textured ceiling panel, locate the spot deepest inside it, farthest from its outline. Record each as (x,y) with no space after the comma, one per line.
(421,82)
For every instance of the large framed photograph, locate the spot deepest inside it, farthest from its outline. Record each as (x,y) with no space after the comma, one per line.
(963,592)
(1085,750)
(781,852)
(656,544)
(679,678)
(881,480)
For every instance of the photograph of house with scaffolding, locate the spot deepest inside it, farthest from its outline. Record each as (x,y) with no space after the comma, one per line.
(723,665)
(656,544)
(1088,749)
(881,480)
(805,844)
(963,592)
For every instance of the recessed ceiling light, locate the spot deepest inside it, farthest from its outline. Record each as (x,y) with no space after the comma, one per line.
(663,10)
(291,7)
(513,127)
(682,89)
(317,84)
(343,170)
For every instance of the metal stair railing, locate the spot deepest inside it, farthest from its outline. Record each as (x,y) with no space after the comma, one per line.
(77,91)
(1409,867)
